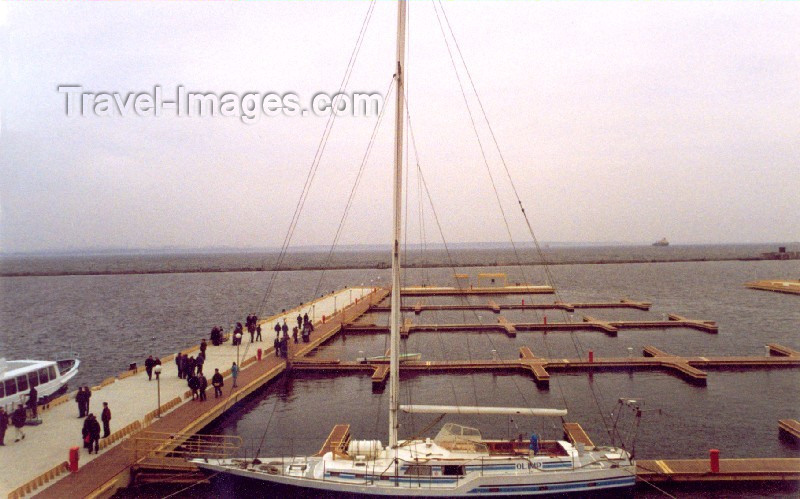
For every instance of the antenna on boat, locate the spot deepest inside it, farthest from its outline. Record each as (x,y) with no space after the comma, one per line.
(636,406)
(394,359)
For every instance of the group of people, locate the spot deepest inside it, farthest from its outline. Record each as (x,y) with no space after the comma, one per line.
(253,327)
(91,429)
(189,366)
(198,383)
(149,364)
(217,336)
(303,329)
(17,419)
(82,398)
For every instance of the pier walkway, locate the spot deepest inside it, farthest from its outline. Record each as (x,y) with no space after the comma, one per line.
(540,368)
(610,328)
(491,305)
(133,401)
(777,285)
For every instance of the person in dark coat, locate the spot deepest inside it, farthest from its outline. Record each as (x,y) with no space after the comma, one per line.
(258,332)
(190,365)
(203,346)
(218,383)
(277,329)
(91,433)
(299,321)
(285,328)
(194,384)
(3,425)
(294,334)
(106,417)
(202,384)
(18,418)
(179,364)
(79,399)
(277,345)
(305,317)
(148,366)
(87,395)
(201,359)
(33,401)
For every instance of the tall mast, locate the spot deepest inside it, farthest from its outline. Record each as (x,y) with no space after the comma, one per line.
(394,359)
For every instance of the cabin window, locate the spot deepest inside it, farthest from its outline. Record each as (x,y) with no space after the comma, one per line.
(43,377)
(52,372)
(22,383)
(11,387)
(33,379)
(419,470)
(453,469)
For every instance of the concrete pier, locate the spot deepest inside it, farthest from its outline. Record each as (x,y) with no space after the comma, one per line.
(38,461)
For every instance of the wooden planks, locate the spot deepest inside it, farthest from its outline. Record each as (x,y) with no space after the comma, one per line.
(777,285)
(337,441)
(699,470)
(575,434)
(789,428)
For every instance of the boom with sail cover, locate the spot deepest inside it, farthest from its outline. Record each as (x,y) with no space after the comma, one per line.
(455,409)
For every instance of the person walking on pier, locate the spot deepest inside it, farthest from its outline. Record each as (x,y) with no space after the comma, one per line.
(294,334)
(202,385)
(258,332)
(203,346)
(91,433)
(179,364)
(277,328)
(148,367)
(201,359)
(79,400)
(218,383)
(194,384)
(3,425)
(18,418)
(33,402)
(87,395)
(299,321)
(277,345)
(234,373)
(305,318)
(106,417)
(285,328)
(285,345)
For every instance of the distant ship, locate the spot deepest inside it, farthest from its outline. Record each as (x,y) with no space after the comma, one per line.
(662,242)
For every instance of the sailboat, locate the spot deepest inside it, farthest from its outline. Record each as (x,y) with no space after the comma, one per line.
(458,461)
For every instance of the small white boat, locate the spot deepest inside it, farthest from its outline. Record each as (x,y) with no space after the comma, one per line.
(49,377)
(387,358)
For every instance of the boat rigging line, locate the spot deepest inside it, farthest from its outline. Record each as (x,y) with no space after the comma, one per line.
(317,157)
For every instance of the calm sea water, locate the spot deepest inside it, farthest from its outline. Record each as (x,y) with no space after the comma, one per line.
(112,320)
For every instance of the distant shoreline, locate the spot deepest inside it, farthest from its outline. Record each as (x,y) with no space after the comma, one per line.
(376,266)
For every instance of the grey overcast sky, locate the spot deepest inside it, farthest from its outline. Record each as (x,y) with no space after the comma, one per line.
(619,121)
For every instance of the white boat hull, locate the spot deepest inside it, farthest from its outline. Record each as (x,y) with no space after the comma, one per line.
(428,469)
(540,483)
